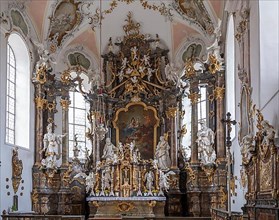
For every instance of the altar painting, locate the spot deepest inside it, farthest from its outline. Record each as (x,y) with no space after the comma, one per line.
(138,123)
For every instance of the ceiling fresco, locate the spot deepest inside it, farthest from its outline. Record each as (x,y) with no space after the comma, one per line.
(61,24)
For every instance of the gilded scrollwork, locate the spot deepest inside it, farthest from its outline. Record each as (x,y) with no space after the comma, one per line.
(189,68)
(243,25)
(209,171)
(17,168)
(265,175)
(125,206)
(192,173)
(162,8)
(41,103)
(66,77)
(223,197)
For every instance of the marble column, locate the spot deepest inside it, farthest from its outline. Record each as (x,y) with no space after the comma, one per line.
(172,117)
(219,93)
(40,104)
(194,97)
(65,102)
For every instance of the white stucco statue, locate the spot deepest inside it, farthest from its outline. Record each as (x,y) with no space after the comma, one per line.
(108,152)
(205,143)
(268,133)
(163,182)
(52,144)
(90,181)
(162,154)
(106,179)
(45,58)
(247,147)
(149,178)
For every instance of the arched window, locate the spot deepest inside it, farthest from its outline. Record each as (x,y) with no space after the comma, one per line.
(202,105)
(230,71)
(18,93)
(78,122)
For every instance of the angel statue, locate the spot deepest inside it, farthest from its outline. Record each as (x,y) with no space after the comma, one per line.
(174,74)
(94,78)
(52,144)
(164,182)
(45,58)
(205,143)
(149,178)
(90,181)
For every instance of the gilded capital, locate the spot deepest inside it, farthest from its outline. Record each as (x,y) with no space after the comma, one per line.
(194,97)
(189,68)
(41,74)
(40,103)
(66,77)
(65,103)
(219,93)
(171,112)
(214,64)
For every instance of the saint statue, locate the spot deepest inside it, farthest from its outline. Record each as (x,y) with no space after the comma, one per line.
(247,147)
(149,177)
(268,132)
(205,143)
(52,144)
(109,148)
(162,154)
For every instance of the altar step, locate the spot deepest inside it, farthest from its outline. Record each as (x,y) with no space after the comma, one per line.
(150,218)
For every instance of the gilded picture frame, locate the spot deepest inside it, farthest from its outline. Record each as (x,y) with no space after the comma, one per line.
(137,122)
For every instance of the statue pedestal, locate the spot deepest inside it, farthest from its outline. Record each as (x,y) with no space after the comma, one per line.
(148,206)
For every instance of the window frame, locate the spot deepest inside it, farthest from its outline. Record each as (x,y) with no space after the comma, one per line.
(9,97)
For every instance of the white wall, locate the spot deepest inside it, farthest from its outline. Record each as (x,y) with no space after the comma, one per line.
(26,155)
(269,71)
(264,71)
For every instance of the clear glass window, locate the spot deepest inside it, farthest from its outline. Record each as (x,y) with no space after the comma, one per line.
(78,124)
(11,96)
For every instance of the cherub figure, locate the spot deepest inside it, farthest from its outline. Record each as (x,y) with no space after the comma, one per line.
(145,59)
(134,51)
(124,63)
(150,72)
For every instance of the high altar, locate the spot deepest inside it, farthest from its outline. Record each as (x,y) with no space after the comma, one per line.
(127,185)
(137,165)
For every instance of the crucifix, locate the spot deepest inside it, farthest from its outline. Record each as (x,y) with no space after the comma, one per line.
(229,124)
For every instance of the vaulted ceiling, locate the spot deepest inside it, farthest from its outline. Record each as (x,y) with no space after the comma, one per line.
(69,25)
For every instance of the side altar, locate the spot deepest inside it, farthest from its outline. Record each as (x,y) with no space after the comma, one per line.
(125,184)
